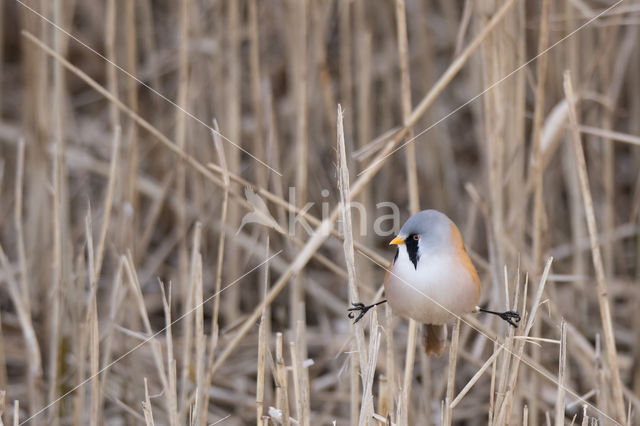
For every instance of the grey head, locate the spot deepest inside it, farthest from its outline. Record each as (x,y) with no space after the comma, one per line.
(425,232)
(431,225)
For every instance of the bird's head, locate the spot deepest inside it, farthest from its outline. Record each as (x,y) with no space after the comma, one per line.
(428,231)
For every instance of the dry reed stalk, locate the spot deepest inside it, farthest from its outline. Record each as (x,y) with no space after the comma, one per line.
(405,396)
(569,167)
(213,341)
(603,301)
(607,147)
(451,373)
(610,135)
(494,133)
(263,343)
(223,219)
(4,380)
(507,356)
(154,211)
(202,385)
(299,17)
(282,385)
(81,343)
(59,221)
(110,47)
(492,388)
(577,223)
(147,409)
(108,202)
(301,338)
(17,217)
(603,396)
(513,48)
(300,75)
(462,27)
(613,73)
(366,408)
(188,305)
(126,408)
(34,370)
(362,74)
(501,418)
(171,391)
(511,334)
(489,362)
(383,397)
(255,76)
(144,316)
(148,42)
(358,357)
(538,120)
(391,362)
(298,385)
(232,123)
(94,356)
(114,307)
(346,77)
(363,106)
(319,12)
(437,160)
(186,293)
(132,88)
(425,393)
(132,91)
(585,418)
(560,404)
(405,93)
(89,329)
(412,179)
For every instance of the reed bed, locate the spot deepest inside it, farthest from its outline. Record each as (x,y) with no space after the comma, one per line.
(194,192)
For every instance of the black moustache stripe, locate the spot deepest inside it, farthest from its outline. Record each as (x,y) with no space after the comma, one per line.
(412,249)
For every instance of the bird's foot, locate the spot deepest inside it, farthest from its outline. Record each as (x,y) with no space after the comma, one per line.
(512,317)
(360,309)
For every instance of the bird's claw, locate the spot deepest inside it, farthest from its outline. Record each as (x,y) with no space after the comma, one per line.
(358,307)
(512,317)
(361,308)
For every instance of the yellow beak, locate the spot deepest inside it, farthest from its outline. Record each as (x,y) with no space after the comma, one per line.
(396,241)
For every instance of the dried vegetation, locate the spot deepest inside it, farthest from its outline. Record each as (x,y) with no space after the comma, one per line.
(150,269)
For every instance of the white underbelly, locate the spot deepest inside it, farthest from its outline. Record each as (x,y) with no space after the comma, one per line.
(435,293)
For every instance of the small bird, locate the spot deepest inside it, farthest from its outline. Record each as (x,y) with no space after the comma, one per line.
(431,278)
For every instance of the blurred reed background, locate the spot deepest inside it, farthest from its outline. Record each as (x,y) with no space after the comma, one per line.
(120,214)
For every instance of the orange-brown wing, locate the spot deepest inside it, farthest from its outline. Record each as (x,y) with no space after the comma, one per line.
(458,244)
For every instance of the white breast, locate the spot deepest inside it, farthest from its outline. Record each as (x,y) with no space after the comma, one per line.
(434,293)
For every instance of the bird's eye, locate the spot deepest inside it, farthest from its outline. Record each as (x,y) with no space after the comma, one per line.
(416,237)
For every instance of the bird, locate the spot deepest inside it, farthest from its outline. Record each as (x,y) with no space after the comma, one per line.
(431,279)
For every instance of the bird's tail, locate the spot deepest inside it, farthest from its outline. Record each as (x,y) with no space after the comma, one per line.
(434,338)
